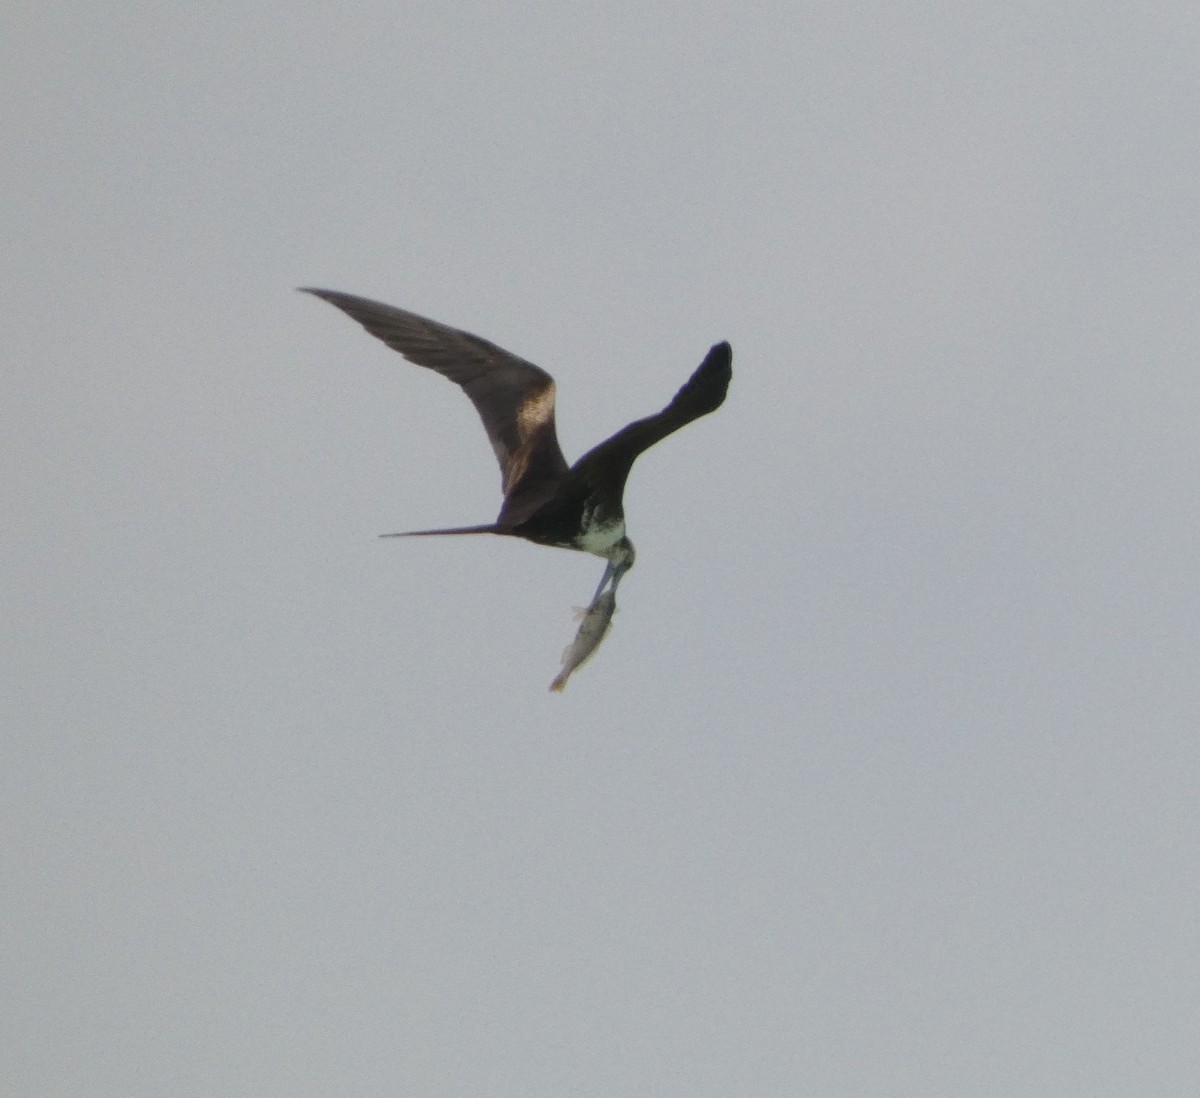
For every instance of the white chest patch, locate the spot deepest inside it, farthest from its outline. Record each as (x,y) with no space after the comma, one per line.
(600,539)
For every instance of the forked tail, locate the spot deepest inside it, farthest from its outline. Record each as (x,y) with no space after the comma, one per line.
(490,528)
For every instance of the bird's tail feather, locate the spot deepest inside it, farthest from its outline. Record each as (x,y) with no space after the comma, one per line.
(490,528)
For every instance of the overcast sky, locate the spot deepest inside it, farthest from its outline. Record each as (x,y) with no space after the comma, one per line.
(887,779)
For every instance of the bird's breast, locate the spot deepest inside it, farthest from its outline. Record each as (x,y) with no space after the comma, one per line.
(599,534)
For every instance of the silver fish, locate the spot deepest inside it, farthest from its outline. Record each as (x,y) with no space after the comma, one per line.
(593,627)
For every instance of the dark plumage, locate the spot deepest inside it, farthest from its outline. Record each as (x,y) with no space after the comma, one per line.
(545,500)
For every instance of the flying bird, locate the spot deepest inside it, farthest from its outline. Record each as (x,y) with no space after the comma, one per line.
(545,500)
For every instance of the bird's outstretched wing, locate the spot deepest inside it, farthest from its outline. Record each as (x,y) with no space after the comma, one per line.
(702,393)
(514,398)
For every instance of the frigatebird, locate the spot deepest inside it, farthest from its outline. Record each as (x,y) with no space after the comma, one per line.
(545,500)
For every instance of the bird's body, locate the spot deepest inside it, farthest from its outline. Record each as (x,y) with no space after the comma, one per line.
(545,500)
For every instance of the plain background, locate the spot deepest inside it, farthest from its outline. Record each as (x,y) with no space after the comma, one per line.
(886,780)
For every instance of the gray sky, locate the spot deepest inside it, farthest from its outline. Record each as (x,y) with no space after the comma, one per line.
(885,782)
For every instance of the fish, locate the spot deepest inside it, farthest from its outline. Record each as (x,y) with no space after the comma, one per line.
(594,623)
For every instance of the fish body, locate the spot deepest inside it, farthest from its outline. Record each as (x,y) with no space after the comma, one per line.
(593,627)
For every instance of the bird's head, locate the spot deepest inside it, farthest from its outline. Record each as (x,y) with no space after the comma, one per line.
(621,558)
